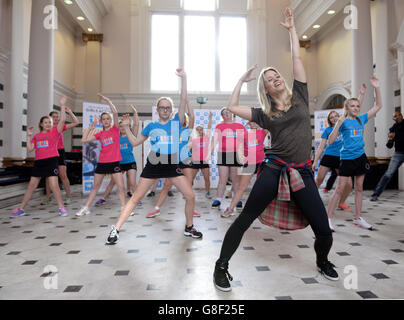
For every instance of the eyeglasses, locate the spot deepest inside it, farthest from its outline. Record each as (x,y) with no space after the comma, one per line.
(164,108)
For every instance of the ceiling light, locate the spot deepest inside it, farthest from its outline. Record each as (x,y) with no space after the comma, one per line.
(305,37)
(90,29)
(81,18)
(331,12)
(316,26)
(68,1)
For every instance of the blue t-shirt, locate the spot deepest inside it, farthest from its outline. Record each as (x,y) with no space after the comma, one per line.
(164,137)
(335,148)
(185,134)
(126,150)
(352,136)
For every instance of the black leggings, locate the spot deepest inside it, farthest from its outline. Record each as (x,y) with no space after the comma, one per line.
(264,191)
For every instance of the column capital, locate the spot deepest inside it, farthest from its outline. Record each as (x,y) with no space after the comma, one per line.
(93,37)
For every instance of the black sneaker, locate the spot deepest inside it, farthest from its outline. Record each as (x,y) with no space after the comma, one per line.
(113,236)
(373,197)
(192,232)
(170,194)
(221,277)
(327,270)
(151,194)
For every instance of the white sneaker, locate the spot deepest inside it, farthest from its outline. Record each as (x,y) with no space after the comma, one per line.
(331,226)
(360,222)
(83,211)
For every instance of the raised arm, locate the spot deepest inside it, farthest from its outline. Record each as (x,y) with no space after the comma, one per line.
(135,125)
(113,109)
(86,137)
(209,131)
(191,114)
(242,112)
(299,73)
(74,118)
(378,105)
(246,77)
(134,140)
(362,92)
(62,119)
(334,134)
(30,145)
(183,100)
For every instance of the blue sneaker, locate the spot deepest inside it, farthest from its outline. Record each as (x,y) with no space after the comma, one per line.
(17,213)
(216,204)
(239,205)
(63,212)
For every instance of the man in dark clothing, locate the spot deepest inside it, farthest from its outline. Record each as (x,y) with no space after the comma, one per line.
(396,138)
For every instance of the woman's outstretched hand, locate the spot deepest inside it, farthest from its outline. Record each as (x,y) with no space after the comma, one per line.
(289,19)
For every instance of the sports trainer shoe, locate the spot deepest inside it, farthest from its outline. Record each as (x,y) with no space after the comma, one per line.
(151,194)
(63,212)
(344,206)
(18,213)
(129,194)
(227,213)
(325,190)
(373,197)
(216,204)
(170,194)
(197,214)
(192,232)
(208,196)
(100,202)
(221,277)
(360,222)
(331,226)
(229,195)
(68,201)
(113,236)
(239,206)
(45,200)
(83,211)
(326,268)
(154,213)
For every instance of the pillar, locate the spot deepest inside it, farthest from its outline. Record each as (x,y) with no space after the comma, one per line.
(92,81)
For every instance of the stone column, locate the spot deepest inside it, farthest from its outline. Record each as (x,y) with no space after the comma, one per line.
(362,67)
(14,110)
(383,72)
(41,62)
(92,80)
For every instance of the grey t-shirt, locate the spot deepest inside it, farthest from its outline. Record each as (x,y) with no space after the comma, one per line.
(291,135)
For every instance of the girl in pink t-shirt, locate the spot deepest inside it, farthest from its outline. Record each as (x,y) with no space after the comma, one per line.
(61,150)
(254,155)
(199,147)
(110,155)
(46,160)
(229,135)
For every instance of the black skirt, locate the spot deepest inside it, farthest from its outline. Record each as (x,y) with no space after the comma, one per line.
(228,159)
(161,166)
(45,168)
(108,168)
(355,167)
(200,165)
(62,157)
(331,162)
(128,166)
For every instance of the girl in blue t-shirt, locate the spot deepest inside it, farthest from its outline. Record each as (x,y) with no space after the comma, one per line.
(162,161)
(354,162)
(128,162)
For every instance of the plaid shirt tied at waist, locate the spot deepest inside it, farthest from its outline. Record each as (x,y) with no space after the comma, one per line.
(282,212)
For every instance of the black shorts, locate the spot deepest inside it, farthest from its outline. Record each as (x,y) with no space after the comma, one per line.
(45,168)
(186,164)
(128,166)
(250,168)
(355,167)
(161,166)
(228,159)
(200,165)
(331,162)
(108,168)
(62,157)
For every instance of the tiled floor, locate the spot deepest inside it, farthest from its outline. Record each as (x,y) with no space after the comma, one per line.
(45,256)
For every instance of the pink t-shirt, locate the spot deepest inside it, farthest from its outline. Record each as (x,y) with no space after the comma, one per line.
(254,146)
(230,136)
(46,144)
(109,145)
(200,148)
(61,143)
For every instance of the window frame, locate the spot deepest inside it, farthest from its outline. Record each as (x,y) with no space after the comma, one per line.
(181,13)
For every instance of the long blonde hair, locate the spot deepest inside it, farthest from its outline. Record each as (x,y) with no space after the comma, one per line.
(266,101)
